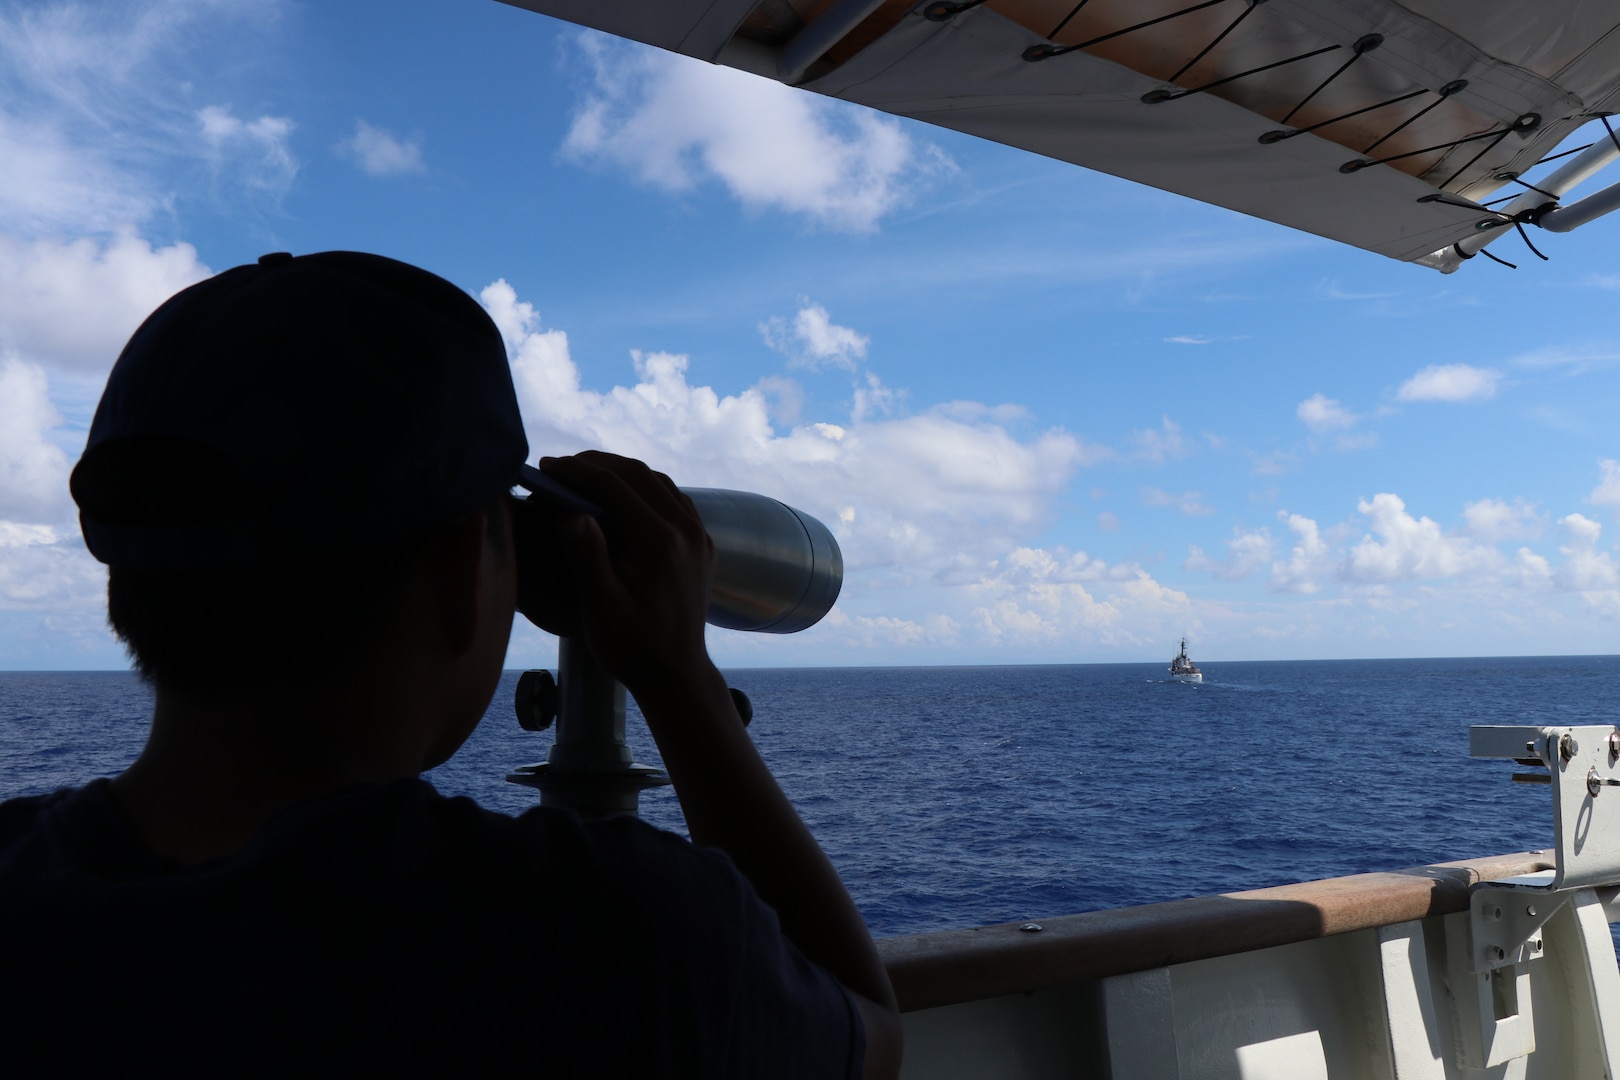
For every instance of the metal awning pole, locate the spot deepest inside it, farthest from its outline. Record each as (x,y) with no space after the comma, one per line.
(829,28)
(1581,168)
(1579,213)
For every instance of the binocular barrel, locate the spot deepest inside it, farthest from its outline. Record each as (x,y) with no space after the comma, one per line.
(776,570)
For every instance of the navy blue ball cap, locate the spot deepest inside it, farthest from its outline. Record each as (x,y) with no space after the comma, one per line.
(294,406)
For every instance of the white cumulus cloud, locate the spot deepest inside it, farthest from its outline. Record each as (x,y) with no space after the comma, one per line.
(73,304)
(910,492)
(1160,444)
(1493,520)
(1403,547)
(674,122)
(1246,552)
(1324,415)
(811,339)
(1037,598)
(1607,492)
(1450,382)
(50,571)
(44,566)
(33,471)
(1309,559)
(863,632)
(1585,567)
(379,152)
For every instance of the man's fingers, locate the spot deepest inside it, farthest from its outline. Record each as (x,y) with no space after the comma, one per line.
(588,550)
(622,484)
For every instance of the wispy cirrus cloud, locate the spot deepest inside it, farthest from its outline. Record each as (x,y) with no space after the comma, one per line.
(1203,339)
(1190,503)
(1272,462)
(101,106)
(256,150)
(1571,359)
(1330,289)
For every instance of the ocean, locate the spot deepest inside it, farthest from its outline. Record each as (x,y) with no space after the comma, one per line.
(956,797)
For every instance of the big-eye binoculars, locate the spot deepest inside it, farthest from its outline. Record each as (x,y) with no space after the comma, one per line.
(777,570)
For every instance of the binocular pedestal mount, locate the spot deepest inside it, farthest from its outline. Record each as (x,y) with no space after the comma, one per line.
(589,769)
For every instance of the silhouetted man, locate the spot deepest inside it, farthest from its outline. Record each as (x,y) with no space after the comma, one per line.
(299,477)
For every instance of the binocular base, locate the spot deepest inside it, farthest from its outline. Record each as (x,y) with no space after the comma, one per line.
(593,794)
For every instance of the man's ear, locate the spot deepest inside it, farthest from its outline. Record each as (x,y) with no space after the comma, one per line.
(458,565)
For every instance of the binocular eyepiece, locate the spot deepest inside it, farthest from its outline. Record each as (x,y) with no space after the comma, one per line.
(777,570)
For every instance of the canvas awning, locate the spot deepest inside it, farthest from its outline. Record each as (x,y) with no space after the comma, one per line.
(1377,124)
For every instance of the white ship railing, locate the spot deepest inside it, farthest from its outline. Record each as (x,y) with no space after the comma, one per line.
(1501,967)
(952,966)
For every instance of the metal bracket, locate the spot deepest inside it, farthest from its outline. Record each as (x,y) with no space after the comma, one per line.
(1506,919)
(1493,950)
(1583,764)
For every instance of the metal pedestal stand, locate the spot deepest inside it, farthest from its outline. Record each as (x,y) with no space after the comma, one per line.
(589,769)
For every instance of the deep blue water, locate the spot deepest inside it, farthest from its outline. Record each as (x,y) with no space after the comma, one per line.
(952,797)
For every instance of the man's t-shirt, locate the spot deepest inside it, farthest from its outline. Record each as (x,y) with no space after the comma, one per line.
(389,929)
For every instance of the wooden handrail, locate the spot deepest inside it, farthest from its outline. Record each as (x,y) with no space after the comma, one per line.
(952,966)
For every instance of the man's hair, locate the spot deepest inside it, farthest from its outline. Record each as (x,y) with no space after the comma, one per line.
(195,628)
(308,615)
(223,627)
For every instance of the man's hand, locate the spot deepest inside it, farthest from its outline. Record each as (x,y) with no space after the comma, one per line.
(633,584)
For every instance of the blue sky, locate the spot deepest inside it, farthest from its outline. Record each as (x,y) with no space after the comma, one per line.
(1052,416)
